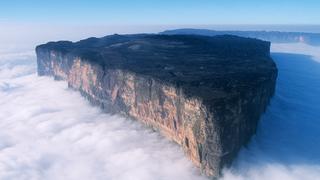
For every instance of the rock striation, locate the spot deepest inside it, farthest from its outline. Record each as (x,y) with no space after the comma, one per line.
(204,93)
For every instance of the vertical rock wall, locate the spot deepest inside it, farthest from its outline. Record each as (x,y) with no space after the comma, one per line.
(210,132)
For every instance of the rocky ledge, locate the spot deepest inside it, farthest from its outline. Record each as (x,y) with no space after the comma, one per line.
(204,93)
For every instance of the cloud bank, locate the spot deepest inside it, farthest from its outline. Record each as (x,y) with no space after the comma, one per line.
(48,131)
(298,48)
(286,146)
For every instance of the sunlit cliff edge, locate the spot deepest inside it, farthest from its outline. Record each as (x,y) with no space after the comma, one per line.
(205,93)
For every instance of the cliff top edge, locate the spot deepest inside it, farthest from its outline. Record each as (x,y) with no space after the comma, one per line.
(199,64)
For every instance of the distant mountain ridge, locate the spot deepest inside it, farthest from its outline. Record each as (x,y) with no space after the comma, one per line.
(272,36)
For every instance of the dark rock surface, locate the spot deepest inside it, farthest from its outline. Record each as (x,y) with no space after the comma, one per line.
(205,93)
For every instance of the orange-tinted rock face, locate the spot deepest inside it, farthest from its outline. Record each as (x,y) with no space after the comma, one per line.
(211,132)
(160,106)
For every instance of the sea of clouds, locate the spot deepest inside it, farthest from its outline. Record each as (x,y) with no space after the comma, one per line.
(48,131)
(287,146)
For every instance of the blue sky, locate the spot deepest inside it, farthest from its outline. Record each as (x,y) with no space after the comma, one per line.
(151,12)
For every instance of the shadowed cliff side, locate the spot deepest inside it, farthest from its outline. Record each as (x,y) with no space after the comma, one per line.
(205,93)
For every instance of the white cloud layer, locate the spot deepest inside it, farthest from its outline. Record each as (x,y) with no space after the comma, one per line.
(298,48)
(287,145)
(50,132)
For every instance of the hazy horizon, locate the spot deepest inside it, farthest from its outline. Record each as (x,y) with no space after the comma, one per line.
(29,35)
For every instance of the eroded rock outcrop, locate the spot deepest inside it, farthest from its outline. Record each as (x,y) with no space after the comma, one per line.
(205,93)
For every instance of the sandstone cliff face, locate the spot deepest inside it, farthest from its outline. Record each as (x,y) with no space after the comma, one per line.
(211,108)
